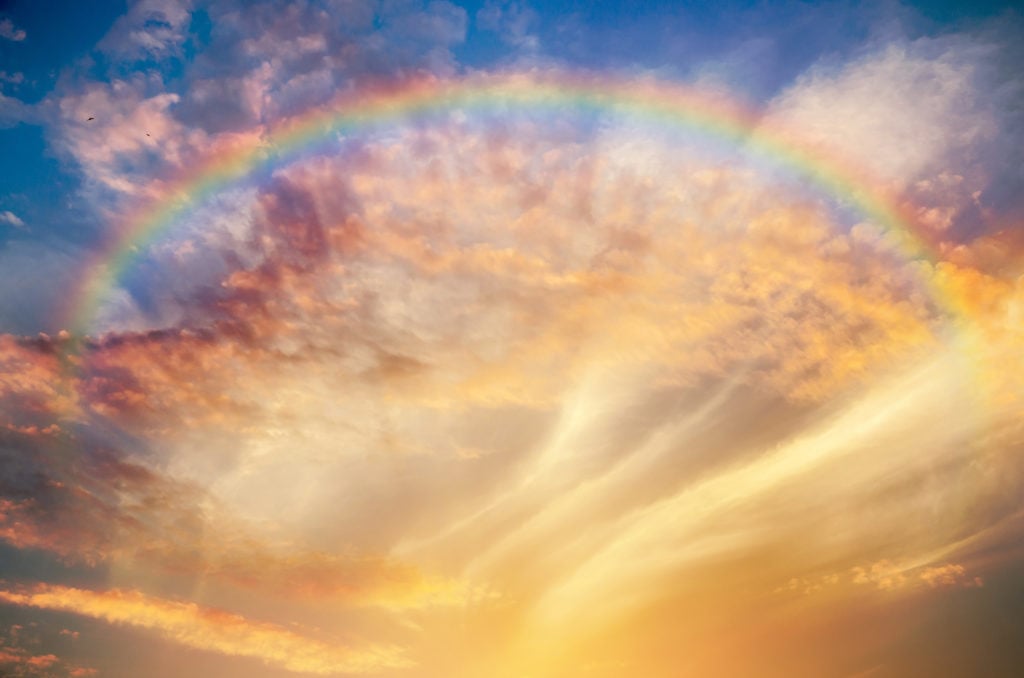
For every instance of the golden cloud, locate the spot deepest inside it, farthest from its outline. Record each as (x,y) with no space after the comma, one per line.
(211,629)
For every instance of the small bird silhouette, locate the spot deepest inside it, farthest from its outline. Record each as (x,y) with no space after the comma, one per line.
(92,118)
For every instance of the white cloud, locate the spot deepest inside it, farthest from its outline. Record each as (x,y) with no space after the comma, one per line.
(8,217)
(905,112)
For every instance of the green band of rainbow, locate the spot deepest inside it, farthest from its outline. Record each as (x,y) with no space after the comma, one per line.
(665,103)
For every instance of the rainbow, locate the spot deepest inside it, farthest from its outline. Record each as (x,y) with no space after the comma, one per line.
(665,103)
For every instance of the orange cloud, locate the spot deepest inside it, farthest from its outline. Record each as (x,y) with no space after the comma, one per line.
(17,660)
(211,629)
(887,575)
(950,575)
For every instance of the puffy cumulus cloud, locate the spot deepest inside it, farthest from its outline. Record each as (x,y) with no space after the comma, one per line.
(211,629)
(20,663)
(30,383)
(260,63)
(119,136)
(950,575)
(849,107)
(438,21)
(21,656)
(78,506)
(14,78)
(932,117)
(151,29)
(884,575)
(8,31)
(560,240)
(514,22)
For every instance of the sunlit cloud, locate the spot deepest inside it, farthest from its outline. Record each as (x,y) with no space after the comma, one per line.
(510,387)
(210,629)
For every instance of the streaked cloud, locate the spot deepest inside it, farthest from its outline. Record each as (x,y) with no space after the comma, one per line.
(211,629)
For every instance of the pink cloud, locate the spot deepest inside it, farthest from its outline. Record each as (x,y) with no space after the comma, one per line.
(8,31)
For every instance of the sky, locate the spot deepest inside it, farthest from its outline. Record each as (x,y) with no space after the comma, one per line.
(511,339)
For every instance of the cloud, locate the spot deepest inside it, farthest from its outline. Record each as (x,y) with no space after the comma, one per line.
(514,22)
(358,269)
(950,575)
(514,368)
(438,21)
(261,65)
(20,657)
(925,116)
(696,527)
(12,219)
(8,31)
(173,541)
(109,505)
(15,78)
(338,335)
(886,575)
(928,82)
(150,29)
(210,629)
(128,136)
(15,111)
